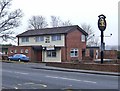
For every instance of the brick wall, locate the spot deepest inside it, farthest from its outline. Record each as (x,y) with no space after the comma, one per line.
(73,40)
(18,49)
(96,67)
(109,54)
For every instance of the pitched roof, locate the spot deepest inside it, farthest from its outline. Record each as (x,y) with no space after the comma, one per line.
(49,31)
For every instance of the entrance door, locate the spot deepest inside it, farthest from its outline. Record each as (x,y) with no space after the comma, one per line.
(83,53)
(91,53)
(39,56)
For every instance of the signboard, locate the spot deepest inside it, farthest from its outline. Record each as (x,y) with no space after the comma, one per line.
(102,22)
(102,27)
(50,47)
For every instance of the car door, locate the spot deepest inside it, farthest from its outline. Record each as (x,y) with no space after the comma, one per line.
(16,57)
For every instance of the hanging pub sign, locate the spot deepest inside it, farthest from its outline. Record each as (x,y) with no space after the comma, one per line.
(101,22)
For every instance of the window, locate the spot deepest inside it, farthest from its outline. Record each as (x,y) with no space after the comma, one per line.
(56,37)
(15,51)
(39,39)
(47,40)
(83,38)
(51,53)
(26,50)
(25,39)
(74,53)
(11,51)
(21,51)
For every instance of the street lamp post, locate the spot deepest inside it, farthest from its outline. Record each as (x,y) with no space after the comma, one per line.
(102,27)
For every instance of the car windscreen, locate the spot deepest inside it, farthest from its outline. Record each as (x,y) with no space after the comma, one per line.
(17,55)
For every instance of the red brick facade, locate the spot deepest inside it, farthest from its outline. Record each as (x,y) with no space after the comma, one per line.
(73,40)
(110,54)
(26,50)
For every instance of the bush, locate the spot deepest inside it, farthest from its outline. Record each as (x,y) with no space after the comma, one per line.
(75,61)
(118,54)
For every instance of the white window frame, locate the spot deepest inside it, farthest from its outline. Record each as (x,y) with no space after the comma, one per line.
(25,39)
(47,39)
(15,51)
(22,50)
(50,53)
(56,37)
(39,38)
(83,38)
(26,50)
(11,51)
(73,52)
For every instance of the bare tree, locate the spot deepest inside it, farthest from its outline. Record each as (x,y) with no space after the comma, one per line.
(91,40)
(37,22)
(8,20)
(56,22)
(66,23)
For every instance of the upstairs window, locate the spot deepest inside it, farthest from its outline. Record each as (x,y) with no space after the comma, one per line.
(83,38)
(39,39)
(56,37)
(25,39)
(47,40)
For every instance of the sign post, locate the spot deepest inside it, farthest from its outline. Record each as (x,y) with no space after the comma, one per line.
(102,27)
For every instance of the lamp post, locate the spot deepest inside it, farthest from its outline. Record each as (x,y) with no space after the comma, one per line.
(102,27)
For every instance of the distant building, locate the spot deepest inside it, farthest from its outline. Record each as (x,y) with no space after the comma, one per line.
(4,51)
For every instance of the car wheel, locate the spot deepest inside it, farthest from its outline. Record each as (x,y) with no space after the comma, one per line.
(19,60)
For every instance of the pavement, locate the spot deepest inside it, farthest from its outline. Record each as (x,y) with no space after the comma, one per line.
(44,67)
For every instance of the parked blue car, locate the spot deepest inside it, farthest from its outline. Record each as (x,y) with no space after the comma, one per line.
(19,57)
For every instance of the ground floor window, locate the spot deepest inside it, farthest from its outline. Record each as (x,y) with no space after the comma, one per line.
(51,53)
(74,52)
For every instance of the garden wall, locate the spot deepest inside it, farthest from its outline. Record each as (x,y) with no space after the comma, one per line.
(88,66)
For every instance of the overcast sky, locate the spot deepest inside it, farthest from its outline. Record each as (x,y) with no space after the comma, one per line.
(77,11)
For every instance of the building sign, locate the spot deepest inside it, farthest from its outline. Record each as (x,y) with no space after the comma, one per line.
(50,47)
(102,22)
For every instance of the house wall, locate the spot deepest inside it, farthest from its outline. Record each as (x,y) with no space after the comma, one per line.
(33,42)
(68,41)
(73,40)
(22,50)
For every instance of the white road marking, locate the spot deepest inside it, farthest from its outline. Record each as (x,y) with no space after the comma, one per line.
(21,73)
(16,87)
(29,83)
(19,84)
(71,79)
(9,71)
(43,85)
(70,85)
(89,81)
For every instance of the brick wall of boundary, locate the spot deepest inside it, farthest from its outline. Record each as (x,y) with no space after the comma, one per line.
(109,54)
(96,67)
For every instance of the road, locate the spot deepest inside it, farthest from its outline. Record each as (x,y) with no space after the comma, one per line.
(24,76)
